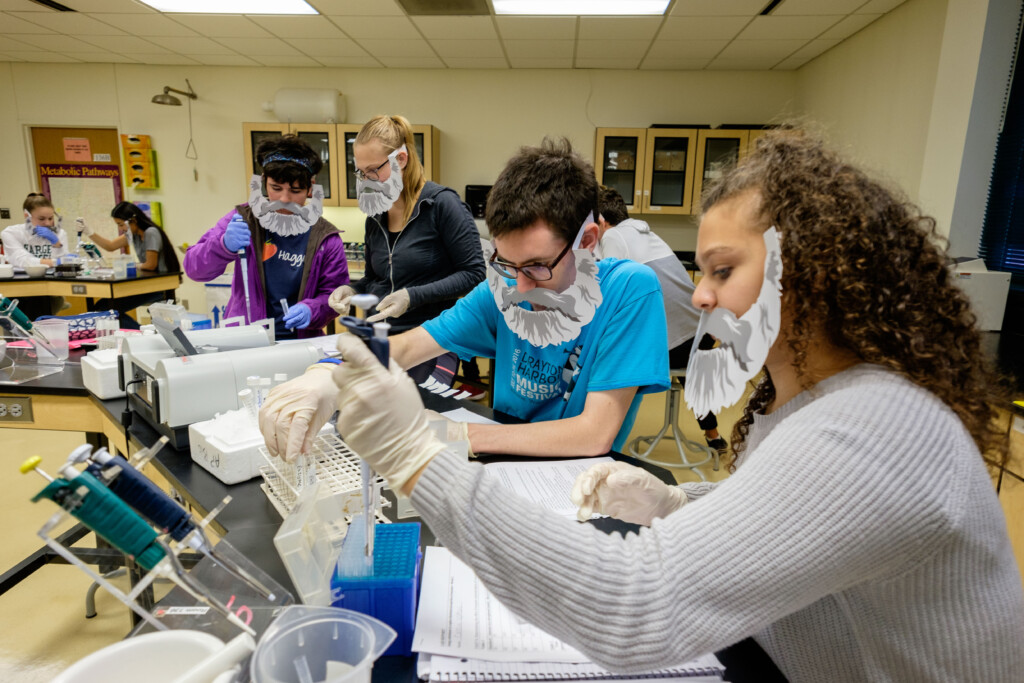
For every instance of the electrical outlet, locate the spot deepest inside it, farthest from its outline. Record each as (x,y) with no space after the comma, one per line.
(5,213)
(15,409)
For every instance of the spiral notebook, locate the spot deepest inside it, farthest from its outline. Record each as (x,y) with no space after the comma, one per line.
(464,634)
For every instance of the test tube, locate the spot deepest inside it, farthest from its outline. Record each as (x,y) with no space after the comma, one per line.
(245,398)
(284,307)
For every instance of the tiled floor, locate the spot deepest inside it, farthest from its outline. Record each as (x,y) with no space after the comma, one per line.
(43,620)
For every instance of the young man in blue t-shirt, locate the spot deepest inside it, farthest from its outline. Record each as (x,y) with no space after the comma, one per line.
(575,342)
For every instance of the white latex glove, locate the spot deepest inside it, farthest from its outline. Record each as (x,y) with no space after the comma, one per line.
(82,227)
(625,492)
(454,431)
(340,298)
(381,415)
(294,412)
(391,306)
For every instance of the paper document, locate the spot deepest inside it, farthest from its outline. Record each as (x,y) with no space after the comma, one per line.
(706,669)
(545,482)
(464,415)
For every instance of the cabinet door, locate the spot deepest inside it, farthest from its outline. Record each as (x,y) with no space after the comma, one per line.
(619,162)
(323,138)
(717,152)
(346,134)
(428,146)
(668,170)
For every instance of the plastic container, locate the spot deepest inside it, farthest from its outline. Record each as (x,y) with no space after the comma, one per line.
(56,332)
(390,593)
(154,657)
(309,541)
(231,462)
(319,644)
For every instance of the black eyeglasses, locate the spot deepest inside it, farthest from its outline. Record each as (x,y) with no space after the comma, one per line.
(536,272)
(372,175)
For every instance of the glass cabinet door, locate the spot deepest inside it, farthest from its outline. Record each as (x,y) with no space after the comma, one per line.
(252,135)
(425,138)
(322,137)
(620,158)
(717,152)
(668,170)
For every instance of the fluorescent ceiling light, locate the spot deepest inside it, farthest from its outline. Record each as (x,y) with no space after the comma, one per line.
(581,7)
(232,6)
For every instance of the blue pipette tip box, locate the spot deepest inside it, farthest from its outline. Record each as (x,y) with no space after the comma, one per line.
(390,593)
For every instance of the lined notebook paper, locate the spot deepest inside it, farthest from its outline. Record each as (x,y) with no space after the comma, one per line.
(464,634)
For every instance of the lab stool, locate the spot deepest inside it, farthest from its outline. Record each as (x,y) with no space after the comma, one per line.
(672,402)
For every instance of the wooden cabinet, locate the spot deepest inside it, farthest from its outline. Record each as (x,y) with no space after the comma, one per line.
(717,152)
(619,162)
(668,170)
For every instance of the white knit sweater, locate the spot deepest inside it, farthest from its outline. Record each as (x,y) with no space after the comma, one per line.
(861,540)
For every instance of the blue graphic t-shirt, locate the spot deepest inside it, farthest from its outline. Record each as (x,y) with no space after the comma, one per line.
(623,346)
(283,258)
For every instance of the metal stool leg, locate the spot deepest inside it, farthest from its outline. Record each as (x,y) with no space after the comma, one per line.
(672,403)
(90,595)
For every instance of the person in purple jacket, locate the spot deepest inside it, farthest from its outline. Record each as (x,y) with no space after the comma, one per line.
(294,257)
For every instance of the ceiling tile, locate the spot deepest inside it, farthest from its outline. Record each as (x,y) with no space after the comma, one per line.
(357,7)
(805,54)
(222,26)
(809,7)
(126,44)
(787,28)
(537,28)
(257,47)
(767,52)
(162,58)
(46,57)
(534,50)
(377,28)
(71,23)
(22,5)
(145,24)
(12,24)
(9,58)
(848,26)
(468,49)
(350,62)
(327,47)
(68,44)
(706,28)
(531,63)
(102,58)
(285,60)
(13,43)
(670,64)
(430,62)
(118,6)
(223,60)
(476,62)
(879,6)
(456,27)
(618,28)
(747,64)
(620,49)
(685,49)
(606,63)
(717,8)
(190,45)
(397,48)
(299,27)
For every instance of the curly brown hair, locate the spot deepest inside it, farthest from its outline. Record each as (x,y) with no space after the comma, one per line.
(867,258)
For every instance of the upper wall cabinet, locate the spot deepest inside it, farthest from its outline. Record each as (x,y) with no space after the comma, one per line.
(668,170)
(620,161)
(333,142)
(717,152)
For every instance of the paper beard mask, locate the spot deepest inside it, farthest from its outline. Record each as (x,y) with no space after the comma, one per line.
(716,378)
(377,197)
(301,219)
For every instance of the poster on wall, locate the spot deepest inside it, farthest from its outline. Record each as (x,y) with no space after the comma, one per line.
(86,191)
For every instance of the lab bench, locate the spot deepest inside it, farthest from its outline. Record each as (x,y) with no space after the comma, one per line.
(91,288)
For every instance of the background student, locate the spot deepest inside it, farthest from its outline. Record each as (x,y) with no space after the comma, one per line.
(39,241)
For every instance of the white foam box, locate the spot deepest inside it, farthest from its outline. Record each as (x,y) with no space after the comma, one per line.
(229,462)
(987,290)
(99,374)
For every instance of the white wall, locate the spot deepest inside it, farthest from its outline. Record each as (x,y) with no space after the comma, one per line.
(483,117)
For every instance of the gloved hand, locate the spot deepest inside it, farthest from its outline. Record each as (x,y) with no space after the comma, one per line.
(340,298)
(453,431)
(391,306)
(381,416)
(624,492)
(237,236)
(82,227)
(298,316)
(294,412)
(46,233)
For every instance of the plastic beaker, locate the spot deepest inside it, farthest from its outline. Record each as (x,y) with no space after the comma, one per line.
(325,644)
(121,267)
(56,332)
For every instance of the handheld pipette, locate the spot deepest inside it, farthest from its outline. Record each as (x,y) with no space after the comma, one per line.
(146,498)
(377,333)
(9,308)
(84,497)
(243,262)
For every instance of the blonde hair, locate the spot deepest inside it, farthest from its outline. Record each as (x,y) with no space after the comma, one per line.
(393,132)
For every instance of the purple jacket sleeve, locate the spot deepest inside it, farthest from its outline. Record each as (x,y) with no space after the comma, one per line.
(328,272)
(207,258)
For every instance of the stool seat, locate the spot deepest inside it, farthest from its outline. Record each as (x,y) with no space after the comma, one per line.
(637,448)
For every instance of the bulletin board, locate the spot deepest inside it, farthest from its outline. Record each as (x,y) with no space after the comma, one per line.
(86,191)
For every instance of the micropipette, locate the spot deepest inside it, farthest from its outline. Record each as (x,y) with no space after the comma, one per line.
(377,334)
(146,498)
(243,262)
(84,497)
(9,308)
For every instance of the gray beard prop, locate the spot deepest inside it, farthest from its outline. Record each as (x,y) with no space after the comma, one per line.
(301,219)
(376,197)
